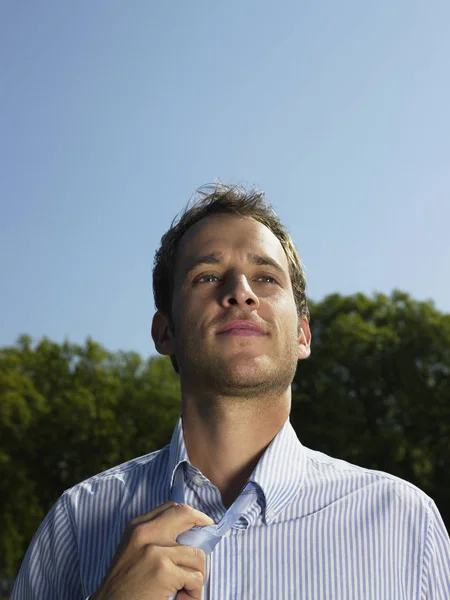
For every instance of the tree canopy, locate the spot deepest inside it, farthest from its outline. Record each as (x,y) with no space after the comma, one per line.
(375,392)
(376,389)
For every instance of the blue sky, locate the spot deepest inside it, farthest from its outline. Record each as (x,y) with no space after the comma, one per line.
(113,113)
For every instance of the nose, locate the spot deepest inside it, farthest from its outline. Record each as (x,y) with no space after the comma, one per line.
(237,292)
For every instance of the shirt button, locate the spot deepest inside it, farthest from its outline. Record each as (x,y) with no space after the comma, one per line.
(269,514)
(197,480)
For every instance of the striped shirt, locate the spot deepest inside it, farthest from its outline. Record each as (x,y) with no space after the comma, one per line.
(320,528)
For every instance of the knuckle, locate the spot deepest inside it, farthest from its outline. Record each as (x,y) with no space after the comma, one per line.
(151,553)
(163,565)
(139,535)
(187,513)
(183,508)
(198,576)
(199,554)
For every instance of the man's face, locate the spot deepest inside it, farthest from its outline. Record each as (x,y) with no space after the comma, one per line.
(236,328)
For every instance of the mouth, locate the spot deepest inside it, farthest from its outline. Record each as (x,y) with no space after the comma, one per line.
(242,328)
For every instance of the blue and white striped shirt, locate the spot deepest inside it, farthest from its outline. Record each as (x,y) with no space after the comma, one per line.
(320,528)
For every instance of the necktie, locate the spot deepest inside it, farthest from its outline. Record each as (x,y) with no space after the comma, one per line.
(208,537)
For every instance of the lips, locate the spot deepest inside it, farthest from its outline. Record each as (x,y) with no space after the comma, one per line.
(243,328)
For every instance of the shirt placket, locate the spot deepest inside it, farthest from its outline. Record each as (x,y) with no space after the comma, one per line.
(224,568)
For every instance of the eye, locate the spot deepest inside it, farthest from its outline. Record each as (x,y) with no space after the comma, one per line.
(208,278)
(267,279)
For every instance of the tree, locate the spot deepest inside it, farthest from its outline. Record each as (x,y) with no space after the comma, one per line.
(21,406)
(376,389)
(68,412)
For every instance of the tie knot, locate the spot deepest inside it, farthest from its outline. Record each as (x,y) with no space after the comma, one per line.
(208,537)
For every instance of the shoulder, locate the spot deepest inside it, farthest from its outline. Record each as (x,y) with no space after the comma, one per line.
(134,467)
(378,488)
(112,486)
(75,542)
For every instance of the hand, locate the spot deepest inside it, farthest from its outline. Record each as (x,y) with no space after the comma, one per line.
(149,563)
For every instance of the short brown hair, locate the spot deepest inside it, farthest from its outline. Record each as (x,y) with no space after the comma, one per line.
(215,199)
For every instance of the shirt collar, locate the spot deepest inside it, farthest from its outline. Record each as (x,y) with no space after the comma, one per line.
(279,472)
(177,452)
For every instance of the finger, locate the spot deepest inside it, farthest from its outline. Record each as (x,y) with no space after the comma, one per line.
(190,584)
(187,557)
(179,519)
(153,514)
(193,583)
(165,529)
(185,595)
(134,530)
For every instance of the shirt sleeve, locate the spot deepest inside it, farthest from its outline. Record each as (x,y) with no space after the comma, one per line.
(50,568)
(436,574)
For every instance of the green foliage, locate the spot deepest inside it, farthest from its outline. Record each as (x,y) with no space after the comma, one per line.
(68,412)
(375,391)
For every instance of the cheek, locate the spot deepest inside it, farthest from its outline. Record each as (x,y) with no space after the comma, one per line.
(283,311)
(281,303)
(188,314)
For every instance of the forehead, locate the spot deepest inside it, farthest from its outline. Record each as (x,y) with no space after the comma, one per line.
(223,233)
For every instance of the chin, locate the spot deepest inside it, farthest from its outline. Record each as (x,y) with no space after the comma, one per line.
(246,362)
(247,371)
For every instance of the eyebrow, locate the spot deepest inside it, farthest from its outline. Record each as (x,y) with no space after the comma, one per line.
(263,259)
(215,258)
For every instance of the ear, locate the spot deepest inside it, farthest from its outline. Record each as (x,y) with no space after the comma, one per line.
(161,334)
(304,339)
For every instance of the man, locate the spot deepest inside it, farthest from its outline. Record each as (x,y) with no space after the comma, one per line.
(293,523)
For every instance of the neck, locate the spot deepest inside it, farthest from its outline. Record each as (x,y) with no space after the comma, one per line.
(225,438)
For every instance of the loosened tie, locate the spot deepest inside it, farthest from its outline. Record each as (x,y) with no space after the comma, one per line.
(209,536)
